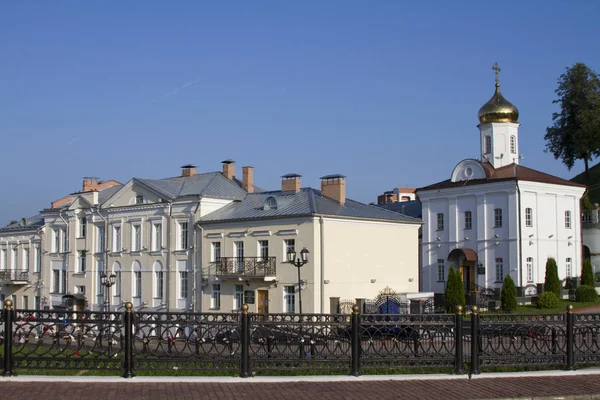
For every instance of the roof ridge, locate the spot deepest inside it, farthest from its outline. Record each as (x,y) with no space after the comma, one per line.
(311,201)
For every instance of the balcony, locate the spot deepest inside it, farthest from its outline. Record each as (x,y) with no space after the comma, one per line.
(245,267)
(14,276)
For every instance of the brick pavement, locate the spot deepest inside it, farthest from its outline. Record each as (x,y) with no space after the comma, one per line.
(574,386)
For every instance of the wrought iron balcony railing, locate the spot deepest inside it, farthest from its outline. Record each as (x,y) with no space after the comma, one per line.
(245,266)
(14,275)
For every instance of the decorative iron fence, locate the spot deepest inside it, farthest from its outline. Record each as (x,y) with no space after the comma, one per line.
(248,344)
(246,266)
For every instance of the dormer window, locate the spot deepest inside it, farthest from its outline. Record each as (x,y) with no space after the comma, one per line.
(270,204)
(139,199)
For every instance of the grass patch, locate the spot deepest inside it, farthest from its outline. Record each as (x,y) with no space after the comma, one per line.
(562,307)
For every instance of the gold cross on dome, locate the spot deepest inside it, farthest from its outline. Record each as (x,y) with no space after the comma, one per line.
(497,69)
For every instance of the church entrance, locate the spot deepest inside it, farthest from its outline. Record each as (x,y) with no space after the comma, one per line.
(466,272)
(465,260)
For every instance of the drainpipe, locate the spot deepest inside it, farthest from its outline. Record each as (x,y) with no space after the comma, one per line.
(169,255)
(197,297)
(105,256)
(322,226)
(66,280)
(194,255)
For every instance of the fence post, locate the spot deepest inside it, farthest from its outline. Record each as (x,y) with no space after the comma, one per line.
(570,334)
(474,341)
(245,337)
(355,341)
(128,327)
(458,341)
(8,337)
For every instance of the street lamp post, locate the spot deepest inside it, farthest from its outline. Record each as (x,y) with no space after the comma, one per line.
(107,282)
(298,262)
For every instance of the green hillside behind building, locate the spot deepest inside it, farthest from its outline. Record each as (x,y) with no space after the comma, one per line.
(593,184)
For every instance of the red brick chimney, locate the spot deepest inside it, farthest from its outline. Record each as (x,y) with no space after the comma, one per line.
(188,170)
(90,183)
(290,183)
(228,169)
(334,187)
(248,179)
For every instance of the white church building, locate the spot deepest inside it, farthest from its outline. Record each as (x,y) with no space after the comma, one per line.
(494,217)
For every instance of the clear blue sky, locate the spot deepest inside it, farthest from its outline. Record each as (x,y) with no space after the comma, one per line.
(385,92)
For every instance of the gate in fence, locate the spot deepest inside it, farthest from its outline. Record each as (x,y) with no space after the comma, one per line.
(245,344)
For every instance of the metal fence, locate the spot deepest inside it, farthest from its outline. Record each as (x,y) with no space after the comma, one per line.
(245,344)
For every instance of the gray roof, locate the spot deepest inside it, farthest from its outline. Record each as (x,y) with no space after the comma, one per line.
(412,208)
(307,201)
(24,224)
(210,184)
(105,194)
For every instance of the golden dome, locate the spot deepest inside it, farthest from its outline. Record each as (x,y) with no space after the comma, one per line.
(498,109)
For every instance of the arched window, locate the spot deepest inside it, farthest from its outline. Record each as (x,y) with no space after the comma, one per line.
(117,271)
(270,203)
(137,279)
(487,142)
(158,280)
(513,144)
(529,269)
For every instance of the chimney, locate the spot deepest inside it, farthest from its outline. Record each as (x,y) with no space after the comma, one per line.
(90,183)
(228,168)
(334,187)
(188,170)
(290,183)
(248,179)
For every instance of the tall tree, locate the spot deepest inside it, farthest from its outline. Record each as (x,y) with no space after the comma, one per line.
(575,134)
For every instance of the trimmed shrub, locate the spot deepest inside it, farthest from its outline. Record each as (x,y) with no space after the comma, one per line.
(547,300)
(455,291)
(587,273)
(551,281)
(508,296)
(586,293)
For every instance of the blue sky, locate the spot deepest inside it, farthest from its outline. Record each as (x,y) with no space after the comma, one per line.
(385,92)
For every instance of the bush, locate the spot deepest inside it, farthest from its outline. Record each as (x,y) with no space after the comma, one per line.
(587,273)
(455,291)
(508,296)
(586,293)
(551,281)
(547,300)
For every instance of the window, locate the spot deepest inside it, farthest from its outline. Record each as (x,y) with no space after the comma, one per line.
(136,237)
(288,245)
(263,250)
(497,218)
(568,219)
(3,260)
(530,269)
(487,144)
(116,239)
(440,222)
(215,253)
(528,217)
(183,284)
(55,241)
(80,289)
(215,296)
(100,272)
(26,259)
(441,270)
(468,220)
(137,282)
(238,297)
(568,268)
(56,281)
(101,242)
(499,270)
(159,283)
(117,272)
(82,226)
(81,261)
(37,259)
(183,236)
(289,299)
(14,259)
(139,199)
(64,241)
(156,237)
(238,250)
(25,303)
(513,144)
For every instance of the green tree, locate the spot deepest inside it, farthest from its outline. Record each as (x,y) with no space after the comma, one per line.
(587,273)
(508,296)
(551,281)
(574,135)
(586,203)
(455,291)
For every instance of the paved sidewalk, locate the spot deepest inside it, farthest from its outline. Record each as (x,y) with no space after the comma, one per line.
(583,384)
